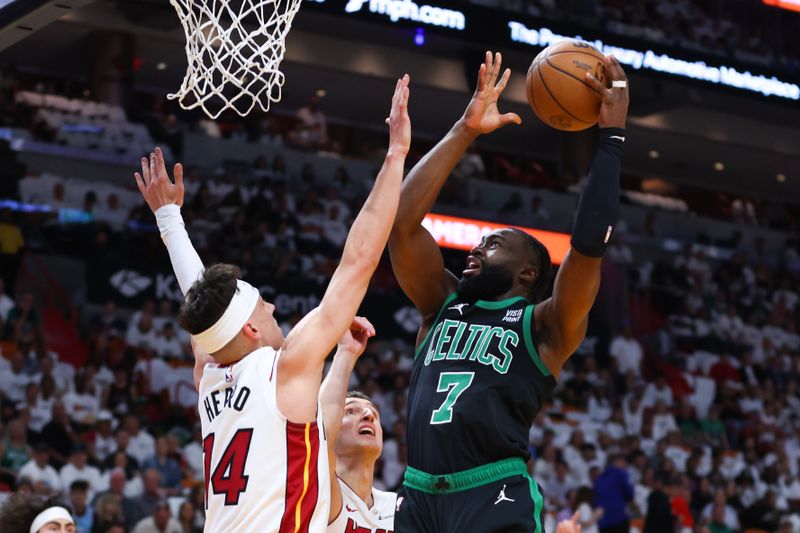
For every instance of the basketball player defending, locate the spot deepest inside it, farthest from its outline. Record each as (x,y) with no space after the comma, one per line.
(489,350)
(265,451)
(354,425)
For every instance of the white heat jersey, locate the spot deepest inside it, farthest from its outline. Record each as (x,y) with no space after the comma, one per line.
(263,473)
(356,517)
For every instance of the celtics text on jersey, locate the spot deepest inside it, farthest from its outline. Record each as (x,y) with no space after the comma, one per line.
(476,387)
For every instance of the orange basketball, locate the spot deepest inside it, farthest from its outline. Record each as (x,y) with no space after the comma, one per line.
(558,91)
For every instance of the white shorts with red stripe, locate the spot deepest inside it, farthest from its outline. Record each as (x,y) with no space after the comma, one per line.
(263,473)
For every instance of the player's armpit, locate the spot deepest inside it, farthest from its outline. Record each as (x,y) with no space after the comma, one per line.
(419,267)
(561,320)
(201,359)
(300,367)
(312,339)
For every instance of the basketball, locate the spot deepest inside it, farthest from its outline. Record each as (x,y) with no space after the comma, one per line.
(557,89)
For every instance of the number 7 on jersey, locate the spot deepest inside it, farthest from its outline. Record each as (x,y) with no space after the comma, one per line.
(454,384)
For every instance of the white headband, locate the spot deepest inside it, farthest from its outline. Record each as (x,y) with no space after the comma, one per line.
(53,514)
(232,320)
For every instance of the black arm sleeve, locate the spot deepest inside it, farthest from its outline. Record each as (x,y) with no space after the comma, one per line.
(598,209)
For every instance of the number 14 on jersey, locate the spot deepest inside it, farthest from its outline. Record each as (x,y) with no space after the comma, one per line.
(228,477)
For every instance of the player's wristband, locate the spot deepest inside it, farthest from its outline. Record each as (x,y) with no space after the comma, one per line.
(168,217)
(598,209)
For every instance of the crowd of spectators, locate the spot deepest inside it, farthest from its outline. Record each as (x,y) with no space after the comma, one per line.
(693,402)
(308,130)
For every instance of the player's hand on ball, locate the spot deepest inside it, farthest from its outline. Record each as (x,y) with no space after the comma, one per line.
(482,115)
(155,185)
(354,340)
(614,109)
(569,526)
(399,121)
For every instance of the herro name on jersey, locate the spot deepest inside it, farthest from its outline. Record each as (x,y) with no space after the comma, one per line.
(229,397)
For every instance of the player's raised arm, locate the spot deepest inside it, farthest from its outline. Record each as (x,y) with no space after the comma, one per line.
(333,393)
(300,367)
(416,259)
(561,320)
(165,200)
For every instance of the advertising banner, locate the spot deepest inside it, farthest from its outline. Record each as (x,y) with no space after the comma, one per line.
(500,28)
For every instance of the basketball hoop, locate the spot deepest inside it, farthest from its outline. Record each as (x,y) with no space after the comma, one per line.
(234,50)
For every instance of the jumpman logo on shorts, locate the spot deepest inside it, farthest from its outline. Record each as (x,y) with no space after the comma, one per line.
(502,496)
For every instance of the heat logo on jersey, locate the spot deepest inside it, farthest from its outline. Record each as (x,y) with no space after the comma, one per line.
(446,344)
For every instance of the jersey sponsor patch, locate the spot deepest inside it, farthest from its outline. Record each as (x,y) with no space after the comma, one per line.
(513,315)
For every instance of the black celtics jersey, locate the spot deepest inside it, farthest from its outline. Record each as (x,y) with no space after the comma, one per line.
(477,385)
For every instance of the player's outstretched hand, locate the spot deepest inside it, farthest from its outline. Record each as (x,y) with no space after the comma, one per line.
(155,185)
(614,110)
(399,121)
(569,526)
(482,115)
(354,340)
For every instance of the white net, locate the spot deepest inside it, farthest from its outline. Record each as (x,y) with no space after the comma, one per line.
(234,50)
